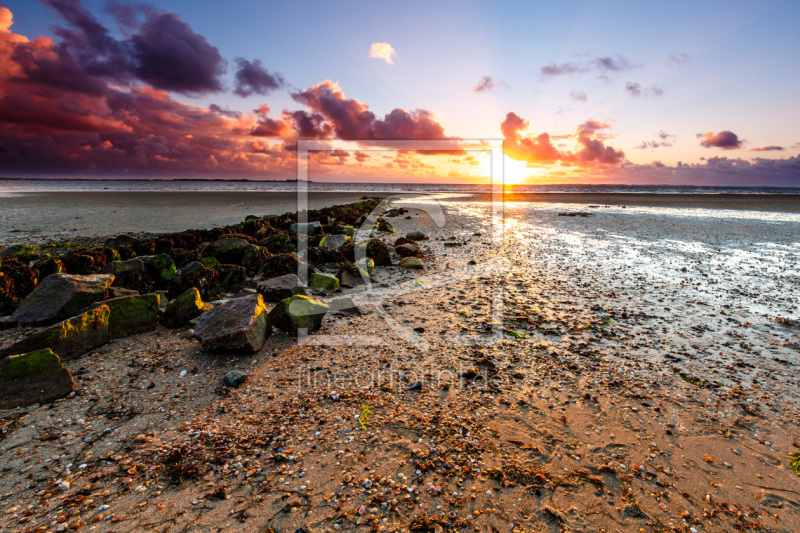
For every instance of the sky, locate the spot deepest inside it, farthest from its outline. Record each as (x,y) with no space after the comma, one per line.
(699,93)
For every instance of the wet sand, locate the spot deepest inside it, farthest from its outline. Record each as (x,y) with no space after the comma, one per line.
(634,370)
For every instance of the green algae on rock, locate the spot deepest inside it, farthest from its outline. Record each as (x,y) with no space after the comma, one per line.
(298,313)
(69,338)
(132,314)
(34,377)
(323,282)
(60,296)
(184,308)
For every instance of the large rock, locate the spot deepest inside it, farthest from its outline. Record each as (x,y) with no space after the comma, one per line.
(280,288)
(237,325)
(69,338)
(275,243)
(253,257)
(334,241)
(121,240)
(231,277)
(60,296)
(160,267)
(205,280)
(384,226)
(35,377)
(298,313)
(227,251)
(184,308)
(132,314)
(323,282)
(131,274)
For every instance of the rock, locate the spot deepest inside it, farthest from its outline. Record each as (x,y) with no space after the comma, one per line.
(60,296)
(412,263)
(376,250)
(253,257)
(77,263)
(366,264)
(35,377)
(384,226)
(416,235)
(323,282)
(298,313)
(401,241)
(227,251)
(160,267)
(351,276)
(131,274)
(240,324)
(231,278)
(69,338)
(277,289)
(319,256)
(281,264)
(188,334)
(193,266)
(17,281)
(204,280)
(121,240)
(48,267)
(15,250)
(234,378)
(184,308)
(275,243)
(339,229)
(408,250)
(333,241)
(417,385)
(391,212)
(119,292)
(345,306)
(132,314)
(310,228)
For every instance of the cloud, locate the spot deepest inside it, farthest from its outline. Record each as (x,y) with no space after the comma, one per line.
(578,96)
(666,140)
(602,64)
(350,119)
(253,78)
(635,90)
(724,139)
(555,69)
(768,149)
(540,148)
(382,51)
(678,59)
(224,112)
(488,84)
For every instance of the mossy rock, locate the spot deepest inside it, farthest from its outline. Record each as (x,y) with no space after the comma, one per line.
(131,274)
(334,241)
(238,325)
(231,277)
(275,243)
(412,263)
(323,282)
(227,251)
(384,226)
(16,249)
(253,257)
(48,267)
(298,313)
(281,264)
(160,267)
(184,308)
(132,314)
(34,377)
(60,296)
(209,262)
(69,338)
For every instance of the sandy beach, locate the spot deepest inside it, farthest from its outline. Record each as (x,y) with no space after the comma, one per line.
(576,366)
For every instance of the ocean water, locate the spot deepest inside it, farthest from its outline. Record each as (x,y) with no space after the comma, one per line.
(16,186)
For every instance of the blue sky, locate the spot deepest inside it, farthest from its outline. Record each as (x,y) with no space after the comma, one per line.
(678,69)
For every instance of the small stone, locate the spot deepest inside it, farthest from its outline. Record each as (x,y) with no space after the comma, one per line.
(411,263)
(415,235)
(234,378)
(417,385)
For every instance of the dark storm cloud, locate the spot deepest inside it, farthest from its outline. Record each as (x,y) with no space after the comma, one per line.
(253,78)
(162,51)
(724,139)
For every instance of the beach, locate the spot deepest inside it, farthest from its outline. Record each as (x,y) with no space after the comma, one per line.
(564,362)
